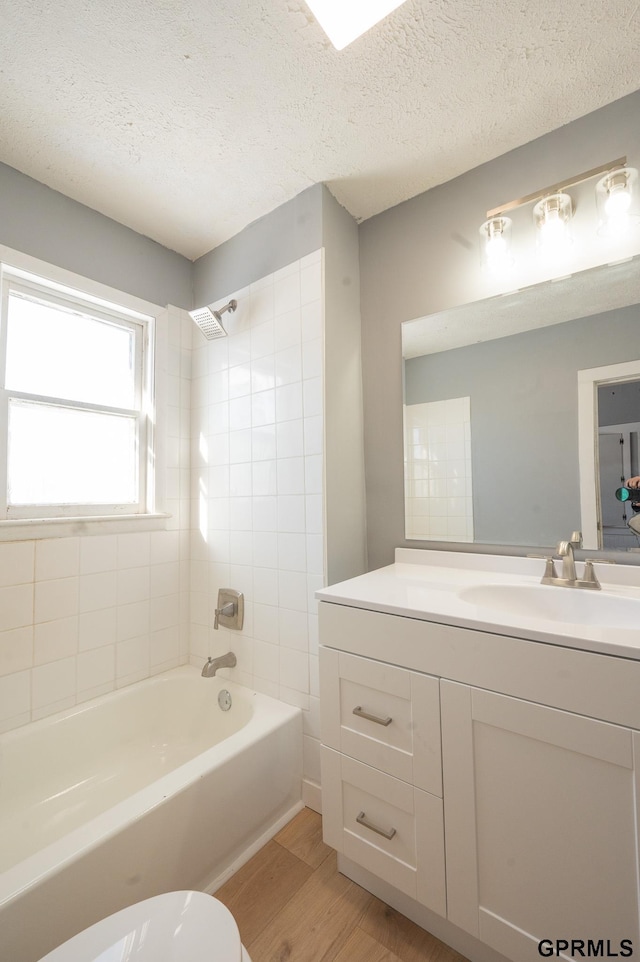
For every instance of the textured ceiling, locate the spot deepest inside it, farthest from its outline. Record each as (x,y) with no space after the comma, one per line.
(188,119)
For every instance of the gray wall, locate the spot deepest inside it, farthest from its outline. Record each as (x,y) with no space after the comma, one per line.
(524,419)
(344,452)
(45,224)
(284,235)
(422,257)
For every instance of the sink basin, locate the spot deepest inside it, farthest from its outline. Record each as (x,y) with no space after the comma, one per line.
(550,603)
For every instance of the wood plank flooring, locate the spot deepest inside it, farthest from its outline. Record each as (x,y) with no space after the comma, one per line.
(292,905)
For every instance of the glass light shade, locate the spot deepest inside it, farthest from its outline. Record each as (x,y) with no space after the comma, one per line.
(344,21)
(552,217)
(617,202)
(495,245)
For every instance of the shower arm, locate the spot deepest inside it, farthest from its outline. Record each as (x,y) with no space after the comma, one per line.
(231,306)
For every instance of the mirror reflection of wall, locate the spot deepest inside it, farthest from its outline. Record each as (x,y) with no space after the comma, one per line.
(524,416)
(618,434)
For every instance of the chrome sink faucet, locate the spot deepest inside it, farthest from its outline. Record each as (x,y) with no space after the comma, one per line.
(223,661)
(569,578)
(565,551)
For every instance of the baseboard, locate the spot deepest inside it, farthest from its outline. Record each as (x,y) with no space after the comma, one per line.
(312,795)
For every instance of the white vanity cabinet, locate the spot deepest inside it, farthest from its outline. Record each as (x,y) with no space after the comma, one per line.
(509,774)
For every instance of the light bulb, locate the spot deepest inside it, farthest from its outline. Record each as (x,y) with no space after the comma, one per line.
(551,227)
(551,216)
(618,202)
(496,247)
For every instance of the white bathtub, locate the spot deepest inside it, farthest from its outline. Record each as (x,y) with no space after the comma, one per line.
(147,790)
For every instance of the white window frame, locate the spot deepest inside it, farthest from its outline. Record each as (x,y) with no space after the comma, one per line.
(28,276)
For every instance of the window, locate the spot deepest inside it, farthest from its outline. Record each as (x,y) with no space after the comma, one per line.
(74,412)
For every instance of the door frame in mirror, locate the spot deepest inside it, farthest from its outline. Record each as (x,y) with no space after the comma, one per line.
(589,381)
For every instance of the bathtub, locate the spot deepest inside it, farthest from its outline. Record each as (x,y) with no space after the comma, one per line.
(146,790)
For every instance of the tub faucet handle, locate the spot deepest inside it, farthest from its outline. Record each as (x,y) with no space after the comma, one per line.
(230,609)
(227,611)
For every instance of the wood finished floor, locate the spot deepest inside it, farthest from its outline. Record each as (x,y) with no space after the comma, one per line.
(292,905)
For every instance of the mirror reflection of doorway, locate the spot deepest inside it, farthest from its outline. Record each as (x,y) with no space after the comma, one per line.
(618,434)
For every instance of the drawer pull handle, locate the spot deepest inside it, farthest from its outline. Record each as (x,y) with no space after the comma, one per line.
(362,819)
(358,710)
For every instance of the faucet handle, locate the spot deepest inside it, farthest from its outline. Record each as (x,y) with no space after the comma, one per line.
(550,573)
(589,576)
(228,611)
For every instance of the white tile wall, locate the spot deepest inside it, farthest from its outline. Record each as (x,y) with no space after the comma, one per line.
(257,491)
(80,616)
(438,481)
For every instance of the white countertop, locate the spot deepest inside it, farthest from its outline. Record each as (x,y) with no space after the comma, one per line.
(427,585)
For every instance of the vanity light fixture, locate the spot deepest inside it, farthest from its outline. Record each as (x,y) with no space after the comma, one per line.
(344,21)
(617,203)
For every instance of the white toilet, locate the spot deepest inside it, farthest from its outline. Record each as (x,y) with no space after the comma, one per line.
(176,927)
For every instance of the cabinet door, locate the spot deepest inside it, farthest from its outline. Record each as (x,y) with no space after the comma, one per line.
(540,824)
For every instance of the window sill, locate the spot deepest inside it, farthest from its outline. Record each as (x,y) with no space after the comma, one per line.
(27,529)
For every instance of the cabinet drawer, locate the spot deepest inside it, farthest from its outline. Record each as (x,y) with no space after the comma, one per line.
(385,716)
(387,826)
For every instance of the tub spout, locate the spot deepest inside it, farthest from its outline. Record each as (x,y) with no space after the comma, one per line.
(224,661)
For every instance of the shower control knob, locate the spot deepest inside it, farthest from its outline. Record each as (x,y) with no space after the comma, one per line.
(227,611)
(230,609)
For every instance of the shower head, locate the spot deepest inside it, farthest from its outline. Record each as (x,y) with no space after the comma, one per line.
(210,321)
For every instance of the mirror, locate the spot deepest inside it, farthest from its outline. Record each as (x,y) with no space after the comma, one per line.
(502,447)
